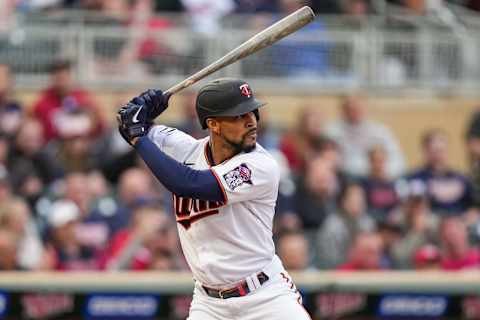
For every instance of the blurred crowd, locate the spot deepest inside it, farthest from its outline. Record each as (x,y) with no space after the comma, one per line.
(74,195)
(238,6)
(146,42)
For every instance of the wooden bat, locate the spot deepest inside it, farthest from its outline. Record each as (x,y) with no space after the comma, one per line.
(265,38)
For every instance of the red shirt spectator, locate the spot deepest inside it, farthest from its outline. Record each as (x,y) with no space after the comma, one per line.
(121,240)
(56,103)
(365,253)
(144,244)
(470,260)
(299,145)
(427,257)
(457,253)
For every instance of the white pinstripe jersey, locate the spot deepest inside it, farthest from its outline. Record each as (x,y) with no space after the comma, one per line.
(224,242)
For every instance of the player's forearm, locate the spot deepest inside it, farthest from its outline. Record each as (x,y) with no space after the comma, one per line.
(176,177)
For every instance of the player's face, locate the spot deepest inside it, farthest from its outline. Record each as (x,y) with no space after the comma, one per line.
(240,132)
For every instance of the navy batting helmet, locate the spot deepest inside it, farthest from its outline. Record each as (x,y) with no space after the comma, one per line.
(225,97)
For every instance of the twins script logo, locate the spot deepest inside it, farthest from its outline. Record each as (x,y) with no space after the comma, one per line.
(245,90)
(190,210)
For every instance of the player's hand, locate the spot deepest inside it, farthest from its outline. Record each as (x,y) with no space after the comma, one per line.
(154,100)
(133,121)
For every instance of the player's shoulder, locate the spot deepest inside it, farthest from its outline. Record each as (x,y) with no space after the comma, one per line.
(160,132)
(174,142)
(161,129)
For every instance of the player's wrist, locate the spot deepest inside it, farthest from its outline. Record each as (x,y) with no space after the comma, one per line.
(134,140)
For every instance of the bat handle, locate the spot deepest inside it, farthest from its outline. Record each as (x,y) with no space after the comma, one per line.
(180,86)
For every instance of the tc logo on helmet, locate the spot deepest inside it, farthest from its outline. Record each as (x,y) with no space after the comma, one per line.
(245,90)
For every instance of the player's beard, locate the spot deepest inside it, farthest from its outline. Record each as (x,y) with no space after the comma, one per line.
(241,146)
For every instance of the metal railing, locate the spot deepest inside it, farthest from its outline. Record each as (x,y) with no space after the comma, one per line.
(465,282)
(335,54)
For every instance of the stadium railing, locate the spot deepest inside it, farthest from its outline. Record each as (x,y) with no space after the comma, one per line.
(166,295)
(334,54)
(466,282)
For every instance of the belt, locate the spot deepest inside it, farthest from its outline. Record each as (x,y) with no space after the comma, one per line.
(239,290)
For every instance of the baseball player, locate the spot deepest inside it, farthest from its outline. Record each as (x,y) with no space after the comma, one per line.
(224,190)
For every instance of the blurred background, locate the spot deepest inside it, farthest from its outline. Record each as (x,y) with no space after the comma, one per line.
(373,114)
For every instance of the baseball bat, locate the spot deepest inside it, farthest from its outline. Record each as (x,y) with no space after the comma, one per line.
(265,38)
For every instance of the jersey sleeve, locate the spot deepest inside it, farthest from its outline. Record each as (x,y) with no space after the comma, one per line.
(249,177)
(173,142)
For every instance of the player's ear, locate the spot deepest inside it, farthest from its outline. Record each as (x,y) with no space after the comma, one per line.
(213,125)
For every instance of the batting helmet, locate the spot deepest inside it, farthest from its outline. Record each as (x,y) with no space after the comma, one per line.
(225,97)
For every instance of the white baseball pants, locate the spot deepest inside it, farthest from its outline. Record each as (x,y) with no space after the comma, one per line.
(277,299)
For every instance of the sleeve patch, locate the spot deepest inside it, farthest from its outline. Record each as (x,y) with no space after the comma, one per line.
(238,176)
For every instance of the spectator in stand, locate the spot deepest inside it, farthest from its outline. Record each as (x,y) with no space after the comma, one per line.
(286,217)
(111,155)
(168,5)
(144,45)
(328,149)
(98,218)
(289,6)
(355,8)
(9,243)
(449,191)
(189,123)
(418,224)
(205,15)
(111,57)
(31,6)
(74,147)
(365,254)
(390,233)
(293,249)
(473,5)
(380,189)
(315,194)
(55,105)
(301,59)
(340,228)
(11,112)
(356,134)
(456,251)
(15,216)
(326,6)
(7,14)
(31,169)
(249,6)
(472,139)
(427,258)
(268,133)
(4,151)
(69,253)
(146,243)
(298,144)
(5,189)
(134,185)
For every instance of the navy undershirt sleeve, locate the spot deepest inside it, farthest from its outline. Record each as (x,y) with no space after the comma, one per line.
(177,177)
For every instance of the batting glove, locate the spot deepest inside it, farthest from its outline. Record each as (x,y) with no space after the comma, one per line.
(133,121)
(154,100)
